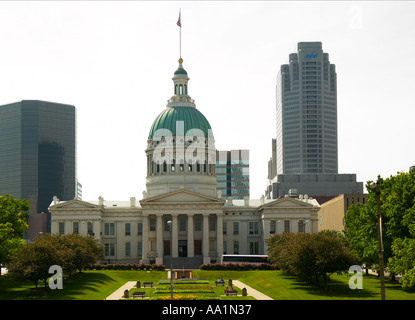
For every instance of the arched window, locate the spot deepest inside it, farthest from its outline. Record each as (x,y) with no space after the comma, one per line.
(180,89)
(173,166)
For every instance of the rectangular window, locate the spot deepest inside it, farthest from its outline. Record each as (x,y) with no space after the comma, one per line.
(198,223)
(236,247)
(61,227)
(253,227)
(224,224)
(140,249)
(127,229)
(236,228)
(75,227)
(127,249)
(109,229)
(212,223)
(152,224)
(225,247)
(254,247)
(182,223)
(140,229)
(90,228)
(301,226)
(109,249)
(286,225)
(273,226)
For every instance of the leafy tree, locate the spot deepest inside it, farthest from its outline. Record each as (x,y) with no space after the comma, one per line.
(82,250)
(13,216)
(70,252)
(322,256)
(398,205)
(361,232)
(34,259)
(311,257)
(403,261)
(397,196)
(282,251)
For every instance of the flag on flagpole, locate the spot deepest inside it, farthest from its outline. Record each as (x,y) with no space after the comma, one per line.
(179,23)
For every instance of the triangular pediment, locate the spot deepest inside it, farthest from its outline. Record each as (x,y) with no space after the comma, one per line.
(180,195)
(74,204)
(288,202)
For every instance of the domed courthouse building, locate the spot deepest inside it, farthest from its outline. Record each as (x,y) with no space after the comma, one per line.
(181,218)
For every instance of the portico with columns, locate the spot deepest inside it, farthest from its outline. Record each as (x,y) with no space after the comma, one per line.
(195,232)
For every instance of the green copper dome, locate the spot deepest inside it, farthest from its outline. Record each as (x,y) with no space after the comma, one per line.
(191,117)
(180,71)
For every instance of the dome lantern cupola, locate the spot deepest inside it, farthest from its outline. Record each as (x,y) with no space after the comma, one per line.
(181,149)
(181,97)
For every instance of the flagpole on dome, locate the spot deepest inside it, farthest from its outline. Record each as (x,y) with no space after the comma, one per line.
(179,23)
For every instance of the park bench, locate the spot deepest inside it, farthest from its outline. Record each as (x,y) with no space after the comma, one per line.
(220,282)
(231,293)
(147,284)
(139,294)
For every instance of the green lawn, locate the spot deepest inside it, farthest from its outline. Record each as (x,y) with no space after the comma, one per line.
(282,287)
(88,285)
(97,285)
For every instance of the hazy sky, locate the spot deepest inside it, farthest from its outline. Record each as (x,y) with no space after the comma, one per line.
(114,61)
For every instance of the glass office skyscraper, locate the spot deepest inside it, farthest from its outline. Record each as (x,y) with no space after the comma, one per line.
(306,140)
(232,173)
(305,153)
(38,155)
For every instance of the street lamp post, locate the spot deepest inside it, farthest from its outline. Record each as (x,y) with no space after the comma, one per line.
(171,259)
(375,186)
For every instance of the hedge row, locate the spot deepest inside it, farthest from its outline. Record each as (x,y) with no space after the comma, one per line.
(237,266)
(128,266)
(161,267)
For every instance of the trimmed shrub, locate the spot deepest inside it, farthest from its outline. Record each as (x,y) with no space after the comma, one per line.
(237,266)
(128,266)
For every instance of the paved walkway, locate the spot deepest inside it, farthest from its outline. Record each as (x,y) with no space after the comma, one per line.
(119,293)
(251,291)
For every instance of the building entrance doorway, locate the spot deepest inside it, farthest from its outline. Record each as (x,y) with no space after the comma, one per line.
(182,248)
(166,247)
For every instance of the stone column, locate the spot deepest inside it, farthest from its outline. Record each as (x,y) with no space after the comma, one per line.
(219,237)
(190,236)
(266,227)
(205,241)
(145,239)
(159,230)
(175,238)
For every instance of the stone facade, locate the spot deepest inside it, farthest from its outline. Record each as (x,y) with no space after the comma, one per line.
(203,227)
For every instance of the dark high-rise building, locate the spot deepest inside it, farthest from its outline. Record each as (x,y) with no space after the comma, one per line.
(38,156)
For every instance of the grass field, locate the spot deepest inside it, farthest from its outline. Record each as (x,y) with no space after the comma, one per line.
(97,285)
